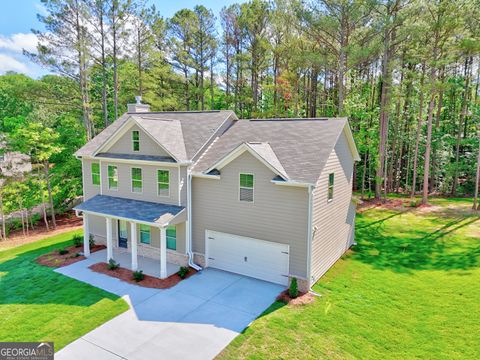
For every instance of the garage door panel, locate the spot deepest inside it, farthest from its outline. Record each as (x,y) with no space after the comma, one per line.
(251,257)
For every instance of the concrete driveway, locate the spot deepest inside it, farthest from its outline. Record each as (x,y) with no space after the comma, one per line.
(194,320)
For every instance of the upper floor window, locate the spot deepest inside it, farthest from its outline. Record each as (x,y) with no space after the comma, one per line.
(136,140)
(172,238)
(163,182)
(137,180)
(112,177)
(246,187)
(331,178)
(144,234)
(95,173)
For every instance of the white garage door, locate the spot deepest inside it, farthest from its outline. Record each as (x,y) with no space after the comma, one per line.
(260,259)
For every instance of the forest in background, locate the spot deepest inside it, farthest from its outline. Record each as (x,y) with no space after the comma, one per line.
(405,73)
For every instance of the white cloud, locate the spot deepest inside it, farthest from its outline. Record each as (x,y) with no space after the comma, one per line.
(8,63)
(18,42)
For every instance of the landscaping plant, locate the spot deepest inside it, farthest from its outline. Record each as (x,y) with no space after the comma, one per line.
(113,265)
(77,240)
(62,251)
(293,289)
(183,271)
(91,241)
(138,275)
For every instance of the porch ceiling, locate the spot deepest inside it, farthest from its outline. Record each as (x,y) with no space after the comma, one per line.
(134,210)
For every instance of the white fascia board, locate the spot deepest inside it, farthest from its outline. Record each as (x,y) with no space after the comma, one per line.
(291,183)
(351,142)
(135,161)
(205,176)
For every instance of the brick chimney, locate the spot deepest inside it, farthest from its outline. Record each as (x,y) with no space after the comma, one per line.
(138,107)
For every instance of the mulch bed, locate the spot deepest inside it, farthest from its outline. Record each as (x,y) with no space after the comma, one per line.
(54,259)
(148,281)
(301,299)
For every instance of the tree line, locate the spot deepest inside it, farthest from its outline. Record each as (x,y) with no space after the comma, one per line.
(405,73)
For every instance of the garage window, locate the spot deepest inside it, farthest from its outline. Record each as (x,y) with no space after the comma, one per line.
(246,187)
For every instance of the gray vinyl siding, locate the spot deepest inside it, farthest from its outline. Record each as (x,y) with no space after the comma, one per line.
(89,190)
(333,221)
(97,226)
(149,179)
(278,213)
(147,145)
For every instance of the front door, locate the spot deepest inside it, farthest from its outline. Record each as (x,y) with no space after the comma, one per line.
(122,234)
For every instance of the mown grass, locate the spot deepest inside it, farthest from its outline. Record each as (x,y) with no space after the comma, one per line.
(37,304)
(409,289)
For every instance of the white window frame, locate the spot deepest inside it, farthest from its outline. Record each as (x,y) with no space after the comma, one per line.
(172,226)
(169,185)
(99,173)
(131,180)
(149,234)
(135,141)
(330,199)
(108,178)
(253,188)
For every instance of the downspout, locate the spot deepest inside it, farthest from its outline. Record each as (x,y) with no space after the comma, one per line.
(309,237)
(189,222)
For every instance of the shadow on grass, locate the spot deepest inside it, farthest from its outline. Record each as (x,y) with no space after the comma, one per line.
(24,281)
(403,249)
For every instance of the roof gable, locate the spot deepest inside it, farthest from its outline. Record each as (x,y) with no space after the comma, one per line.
(261,151)
(181,134)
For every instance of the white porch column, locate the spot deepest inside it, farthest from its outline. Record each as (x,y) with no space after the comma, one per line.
(133,228)
(86,236)
(109,239)
(163,253)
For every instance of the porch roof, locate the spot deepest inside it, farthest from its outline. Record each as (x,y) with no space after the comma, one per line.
(156,214)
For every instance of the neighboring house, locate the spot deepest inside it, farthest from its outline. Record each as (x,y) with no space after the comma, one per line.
(271,199)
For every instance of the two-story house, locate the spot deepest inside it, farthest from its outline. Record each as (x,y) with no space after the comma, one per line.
(271,199)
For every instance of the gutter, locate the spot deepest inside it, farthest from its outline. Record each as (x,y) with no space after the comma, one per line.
(309,236)
(189,220)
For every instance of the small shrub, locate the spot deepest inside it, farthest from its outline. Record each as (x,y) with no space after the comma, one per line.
(75,255)
(77,240)
(183,271)
(293,289)
(138,275)
(413,203)
(91,241)
(113,265)
(62,251)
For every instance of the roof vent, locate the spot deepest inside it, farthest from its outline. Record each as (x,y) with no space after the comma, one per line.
(138,107)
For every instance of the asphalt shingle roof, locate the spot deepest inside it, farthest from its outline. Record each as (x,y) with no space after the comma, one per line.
(182,133)
(302,146)
(142,211)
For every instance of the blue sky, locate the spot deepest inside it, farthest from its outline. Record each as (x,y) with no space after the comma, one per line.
(18,17)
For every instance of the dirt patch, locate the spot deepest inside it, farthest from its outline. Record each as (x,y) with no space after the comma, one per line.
(65,222)
(148,281)
(391,204)
(54,259)
(301,299)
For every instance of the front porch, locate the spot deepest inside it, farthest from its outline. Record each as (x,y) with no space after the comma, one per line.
(148,265)
(135,233)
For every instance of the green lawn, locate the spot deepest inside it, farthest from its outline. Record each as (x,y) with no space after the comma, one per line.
(410,289)
(37,304)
